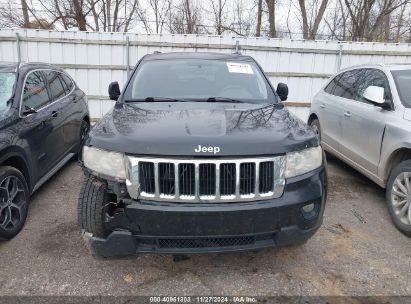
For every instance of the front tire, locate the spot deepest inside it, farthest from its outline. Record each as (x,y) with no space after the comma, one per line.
(14,199)
(92,205)
(398,197)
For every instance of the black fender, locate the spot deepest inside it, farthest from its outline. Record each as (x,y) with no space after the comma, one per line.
(25,167)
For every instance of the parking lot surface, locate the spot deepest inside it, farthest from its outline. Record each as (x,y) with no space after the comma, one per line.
(357,251)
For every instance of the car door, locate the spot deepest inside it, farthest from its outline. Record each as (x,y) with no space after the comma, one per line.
(73,110)
(364,123)
(62,106)
(41,130)
(330,111)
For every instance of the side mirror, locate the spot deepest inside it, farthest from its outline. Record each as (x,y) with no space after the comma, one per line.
(374,95)
(282,91)
(114,90)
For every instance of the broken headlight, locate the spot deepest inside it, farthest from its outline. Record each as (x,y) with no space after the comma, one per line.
(304,161)
(103,162)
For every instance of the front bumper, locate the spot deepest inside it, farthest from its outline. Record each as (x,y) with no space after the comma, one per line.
(175,228)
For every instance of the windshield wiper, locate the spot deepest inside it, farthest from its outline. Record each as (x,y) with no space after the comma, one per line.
(169,99)
(158,99)
(223,99)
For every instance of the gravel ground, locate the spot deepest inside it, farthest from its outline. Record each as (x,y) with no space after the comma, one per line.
(357,251)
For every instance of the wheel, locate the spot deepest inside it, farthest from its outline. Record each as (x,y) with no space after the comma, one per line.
(315,126)
(92,206)
(399,196)
(84,130)
(14,199)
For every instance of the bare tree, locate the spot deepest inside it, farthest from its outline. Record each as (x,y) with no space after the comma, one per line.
(271,18)
(310,29)
(71,14)
(185,18)
(218,11)
(9,15)
(367,16)
(25,13)
(93,8)
(242,19)
(160,9)
(189,15)
(107,16)
(288,21)
(357,20)
(79,14)
(259,17)
(399,26)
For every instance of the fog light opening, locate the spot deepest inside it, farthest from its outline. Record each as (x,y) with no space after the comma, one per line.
(309,211)
(308,208)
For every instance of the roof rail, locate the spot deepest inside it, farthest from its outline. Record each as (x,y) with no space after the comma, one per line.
(365,64)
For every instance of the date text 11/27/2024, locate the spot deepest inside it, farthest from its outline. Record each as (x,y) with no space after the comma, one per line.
(203,299)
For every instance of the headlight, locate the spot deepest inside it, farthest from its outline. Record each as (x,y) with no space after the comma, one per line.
(304,161)
(104,162)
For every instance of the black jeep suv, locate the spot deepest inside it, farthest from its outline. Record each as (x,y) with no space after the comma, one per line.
(200,155)
(43,121)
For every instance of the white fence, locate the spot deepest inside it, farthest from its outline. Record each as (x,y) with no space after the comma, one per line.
(96,59)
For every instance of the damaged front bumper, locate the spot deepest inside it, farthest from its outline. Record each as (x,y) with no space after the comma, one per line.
(175,228)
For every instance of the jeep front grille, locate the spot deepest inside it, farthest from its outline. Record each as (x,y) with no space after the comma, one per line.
(205,180)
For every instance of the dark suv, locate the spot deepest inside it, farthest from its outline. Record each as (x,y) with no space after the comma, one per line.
(43,121)
(200,155)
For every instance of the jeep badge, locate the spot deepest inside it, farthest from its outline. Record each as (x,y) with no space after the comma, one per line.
(210,149)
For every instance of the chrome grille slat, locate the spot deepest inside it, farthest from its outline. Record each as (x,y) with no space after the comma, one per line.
(176,180)
(156,182)
(217,181)
(237,179)
(205,180)
(197,180)
(257,179)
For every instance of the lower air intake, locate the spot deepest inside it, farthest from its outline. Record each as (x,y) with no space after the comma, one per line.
(206,242)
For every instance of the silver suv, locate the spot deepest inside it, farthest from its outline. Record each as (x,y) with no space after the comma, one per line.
(363,116)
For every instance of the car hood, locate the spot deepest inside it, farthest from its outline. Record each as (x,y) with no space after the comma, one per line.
(177,129)
(8,118)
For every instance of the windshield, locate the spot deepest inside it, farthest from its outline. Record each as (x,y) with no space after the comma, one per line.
(7,81)
(199,80)
(402,80)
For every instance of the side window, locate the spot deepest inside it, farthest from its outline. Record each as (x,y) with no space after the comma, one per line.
(69,83)
(346,85)
(35,93)
(331,86)
(56,85)
(373,77)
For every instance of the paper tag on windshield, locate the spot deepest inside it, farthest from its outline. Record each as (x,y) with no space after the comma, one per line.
(242,68)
